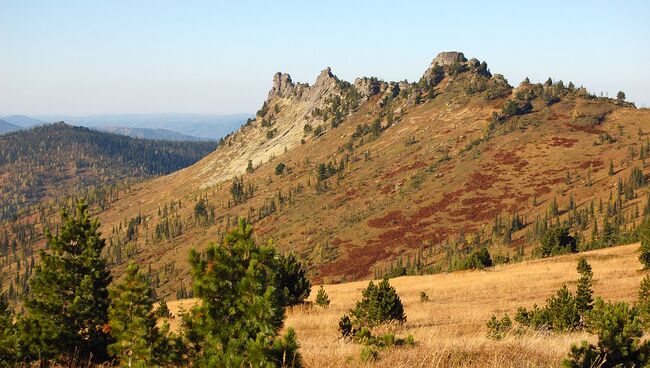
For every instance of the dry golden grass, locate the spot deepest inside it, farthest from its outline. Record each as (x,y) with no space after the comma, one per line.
(450,329)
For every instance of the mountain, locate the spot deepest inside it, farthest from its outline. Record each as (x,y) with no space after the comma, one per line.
(148,133)
(51,162)
(375,178)
(207,126)
(6,127)
(22,121)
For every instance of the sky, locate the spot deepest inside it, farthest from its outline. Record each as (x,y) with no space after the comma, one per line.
(140,56)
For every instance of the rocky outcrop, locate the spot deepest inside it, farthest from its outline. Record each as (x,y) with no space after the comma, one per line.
(367,87)
(282,86)
(448,58)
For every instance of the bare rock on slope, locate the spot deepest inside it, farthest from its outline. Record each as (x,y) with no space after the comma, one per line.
(448,58)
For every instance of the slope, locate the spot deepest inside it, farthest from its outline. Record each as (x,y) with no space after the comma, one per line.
(52,161)
(450,329)
(371,178)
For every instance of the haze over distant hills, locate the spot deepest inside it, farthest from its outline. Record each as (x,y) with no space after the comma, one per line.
(6,127)
(198,125)
(151,133)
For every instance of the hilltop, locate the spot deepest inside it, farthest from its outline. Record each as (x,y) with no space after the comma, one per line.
(51,162)
(371,178)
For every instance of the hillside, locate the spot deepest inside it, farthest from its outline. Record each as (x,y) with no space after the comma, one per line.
(377,178)
(150,133)
(450,329)
(6,127)
(53,161)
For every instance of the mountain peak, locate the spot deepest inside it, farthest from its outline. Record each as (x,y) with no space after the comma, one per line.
(448,58)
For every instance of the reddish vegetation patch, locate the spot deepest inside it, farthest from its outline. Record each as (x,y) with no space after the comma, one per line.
(555,117)
(510,158)
(358,261)
(594,164)
(481,181)
(413,166)
(586,129)
(391,219)
(562,142)
(481,208)
(441,205)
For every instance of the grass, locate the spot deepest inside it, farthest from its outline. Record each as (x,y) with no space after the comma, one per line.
(449,330)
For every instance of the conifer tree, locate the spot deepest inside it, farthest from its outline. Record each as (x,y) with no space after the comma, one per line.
(644,301)
(8,341)
(132,321)
(644,256)
(292,280)
(379,304)
(67,308)
(163,310)
(584,294)
(241,311)
(322,299)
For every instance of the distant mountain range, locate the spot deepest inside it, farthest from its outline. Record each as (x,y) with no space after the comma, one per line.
(148,133)
(6,127)
(22,121)
(174,126)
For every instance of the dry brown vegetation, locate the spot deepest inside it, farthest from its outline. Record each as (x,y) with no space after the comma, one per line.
(450,329)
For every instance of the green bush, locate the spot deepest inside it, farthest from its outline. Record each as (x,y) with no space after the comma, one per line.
(644,301)
(322,299)
(619,331)
(563,311)
(555,241)
(345,326)
(479,259)
(644,255)
(497,329)
(379,304)
(279,168)
(369,354)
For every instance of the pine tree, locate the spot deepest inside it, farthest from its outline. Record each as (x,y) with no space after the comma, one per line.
(584,298)
(552,208)
(241,309)
(322,299)
(163,310)
(67,308)
(292,280)
(611,168)
(8,341)
(644,301)
(379,304)
(644,256)
(132,321)
(619,331)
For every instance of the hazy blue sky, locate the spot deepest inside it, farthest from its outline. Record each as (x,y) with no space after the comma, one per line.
(84,57)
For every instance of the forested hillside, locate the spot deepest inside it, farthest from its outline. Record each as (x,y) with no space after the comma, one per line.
(53,161)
